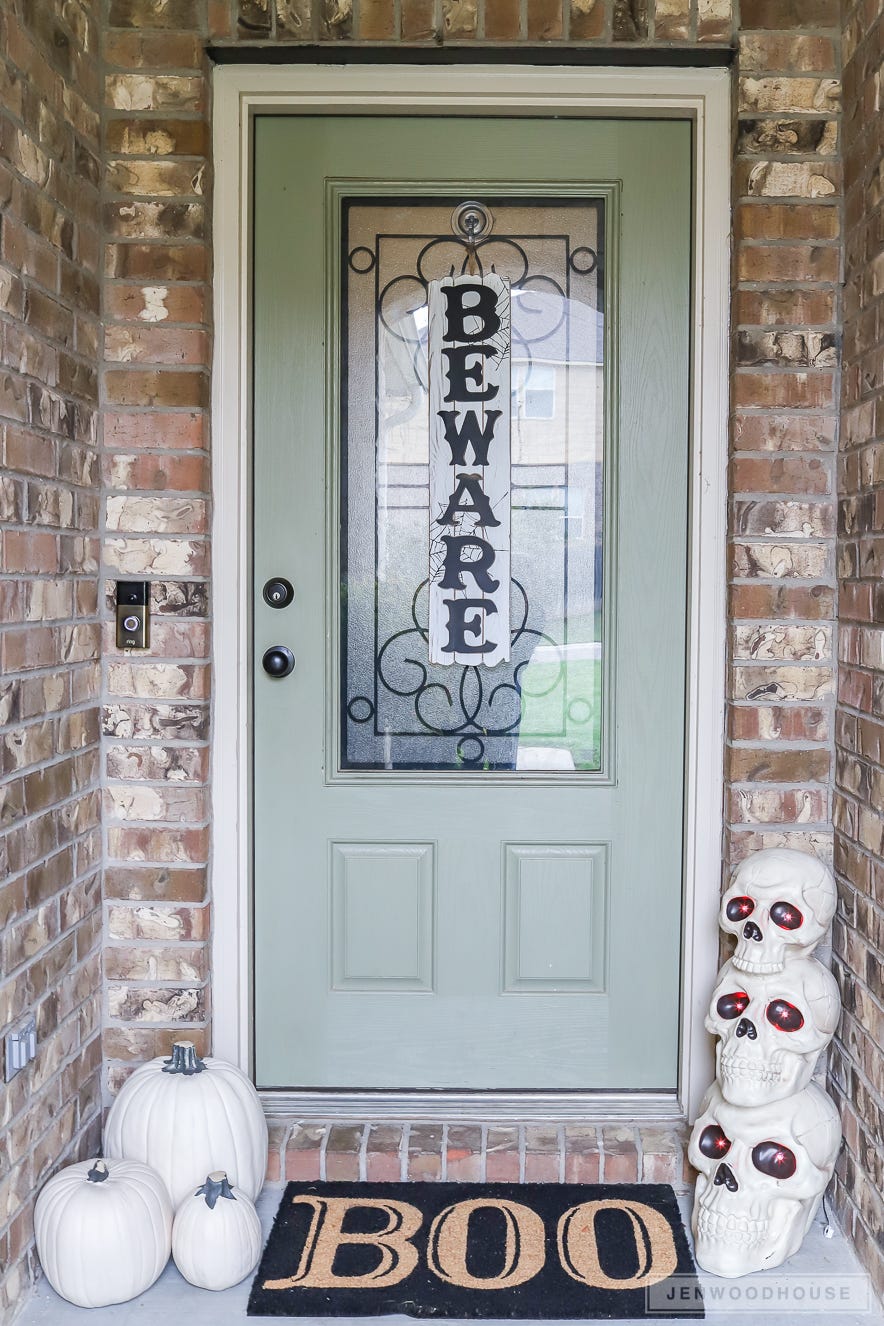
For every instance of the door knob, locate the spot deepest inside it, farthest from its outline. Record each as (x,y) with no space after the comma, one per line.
(278,661)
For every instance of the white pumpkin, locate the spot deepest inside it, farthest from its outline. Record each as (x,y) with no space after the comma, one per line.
(104,1231)
(216,1237)
(186,1116)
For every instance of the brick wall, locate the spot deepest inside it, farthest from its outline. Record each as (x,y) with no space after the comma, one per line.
(155,390)
(857,1068)
(154,464)
(50,843)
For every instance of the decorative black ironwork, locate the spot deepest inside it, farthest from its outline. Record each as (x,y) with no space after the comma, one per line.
(478,701)
(468,704)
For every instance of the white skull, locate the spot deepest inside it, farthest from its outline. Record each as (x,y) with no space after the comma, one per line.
(779,904)
(762,1173)
(771,1028)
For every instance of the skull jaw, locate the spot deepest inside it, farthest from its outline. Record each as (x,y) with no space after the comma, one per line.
(747,959)
(733,1245)
(771,955)
(748,1080)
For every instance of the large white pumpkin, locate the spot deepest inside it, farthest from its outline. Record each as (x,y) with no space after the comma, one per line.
(104,1231)
(216,1237)
(186,1116)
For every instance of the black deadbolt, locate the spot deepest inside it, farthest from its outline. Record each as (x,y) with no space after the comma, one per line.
(278,661)
(278,592)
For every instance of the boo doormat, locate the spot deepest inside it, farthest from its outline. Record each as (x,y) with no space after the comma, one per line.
(467,1250)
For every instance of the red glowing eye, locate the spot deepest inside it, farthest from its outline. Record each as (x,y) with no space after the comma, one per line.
(713,1142)
(774,1159)
(732,1005)
(786,916)
(785,1016)
(739,908)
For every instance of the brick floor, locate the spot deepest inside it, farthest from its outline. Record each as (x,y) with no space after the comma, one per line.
(575,1152)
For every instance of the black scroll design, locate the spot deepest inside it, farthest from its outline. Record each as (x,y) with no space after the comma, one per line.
(470,703)
(473,700)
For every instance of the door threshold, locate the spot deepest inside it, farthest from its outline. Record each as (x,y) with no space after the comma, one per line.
(476,1106)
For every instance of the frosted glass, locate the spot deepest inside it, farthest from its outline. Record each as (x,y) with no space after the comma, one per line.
(543,709)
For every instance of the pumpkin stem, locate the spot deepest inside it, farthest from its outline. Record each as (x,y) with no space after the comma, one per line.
(184,1059)
(215,1186)
(99,1172)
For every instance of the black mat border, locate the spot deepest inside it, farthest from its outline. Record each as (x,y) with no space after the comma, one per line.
(445,1302)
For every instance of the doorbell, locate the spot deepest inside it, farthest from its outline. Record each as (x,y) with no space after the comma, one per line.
(133,614)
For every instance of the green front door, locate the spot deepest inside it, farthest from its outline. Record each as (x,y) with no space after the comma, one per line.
(470,876)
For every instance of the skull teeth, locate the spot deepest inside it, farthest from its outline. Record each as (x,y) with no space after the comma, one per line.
(743,1068)
(733,1229)
(759,968)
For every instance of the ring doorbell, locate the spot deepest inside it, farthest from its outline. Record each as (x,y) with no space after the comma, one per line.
(133,614)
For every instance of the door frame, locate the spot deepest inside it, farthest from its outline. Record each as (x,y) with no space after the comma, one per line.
(700,95)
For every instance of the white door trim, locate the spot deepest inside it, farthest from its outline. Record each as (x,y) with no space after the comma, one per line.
(702,95)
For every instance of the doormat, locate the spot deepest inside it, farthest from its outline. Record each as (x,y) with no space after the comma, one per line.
(473,1250)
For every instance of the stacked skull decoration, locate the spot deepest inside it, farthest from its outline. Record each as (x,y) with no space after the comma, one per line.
(766,1139)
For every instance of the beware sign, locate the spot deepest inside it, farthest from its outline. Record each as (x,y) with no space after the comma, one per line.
(469,381)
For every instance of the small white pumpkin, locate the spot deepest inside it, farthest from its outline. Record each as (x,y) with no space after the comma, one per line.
(216,1237)
(103,1230)
(186,1116)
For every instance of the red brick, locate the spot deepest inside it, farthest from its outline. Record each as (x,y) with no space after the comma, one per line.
(621,1155)
(791,391)
(780,474)
(502,1155)
(425,1152)
(787,262)
(418,20)
(778,723)
(587,23)
(382,1159)
(156,389)
(161,303)
(342,1153)
(767,221)
(377,20)
(153,50)
(782,432)
(545,20)
(790,14)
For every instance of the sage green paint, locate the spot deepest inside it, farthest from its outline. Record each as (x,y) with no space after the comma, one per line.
(400,936)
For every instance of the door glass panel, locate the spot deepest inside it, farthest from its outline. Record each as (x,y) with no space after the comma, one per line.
(542,710)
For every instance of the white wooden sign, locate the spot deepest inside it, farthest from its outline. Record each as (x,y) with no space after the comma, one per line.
(469,368)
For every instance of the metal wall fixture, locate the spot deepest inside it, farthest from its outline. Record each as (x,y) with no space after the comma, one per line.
(133,614)
(20,1046)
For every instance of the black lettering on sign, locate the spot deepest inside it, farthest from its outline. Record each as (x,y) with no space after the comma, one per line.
(458,626)
(482,308)
(454,565)
(460,373)
(469,365)
(471,433)
(469,485)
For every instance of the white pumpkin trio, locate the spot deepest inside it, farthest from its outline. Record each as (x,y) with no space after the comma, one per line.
(185,1136)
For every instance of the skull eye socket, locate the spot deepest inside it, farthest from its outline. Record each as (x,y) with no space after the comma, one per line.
(774,1159)
(732,1005)
(739,908)
(713,1142)
(784,1016)
(786,916)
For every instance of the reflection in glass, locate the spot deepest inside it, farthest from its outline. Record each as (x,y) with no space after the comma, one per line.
(543,710)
